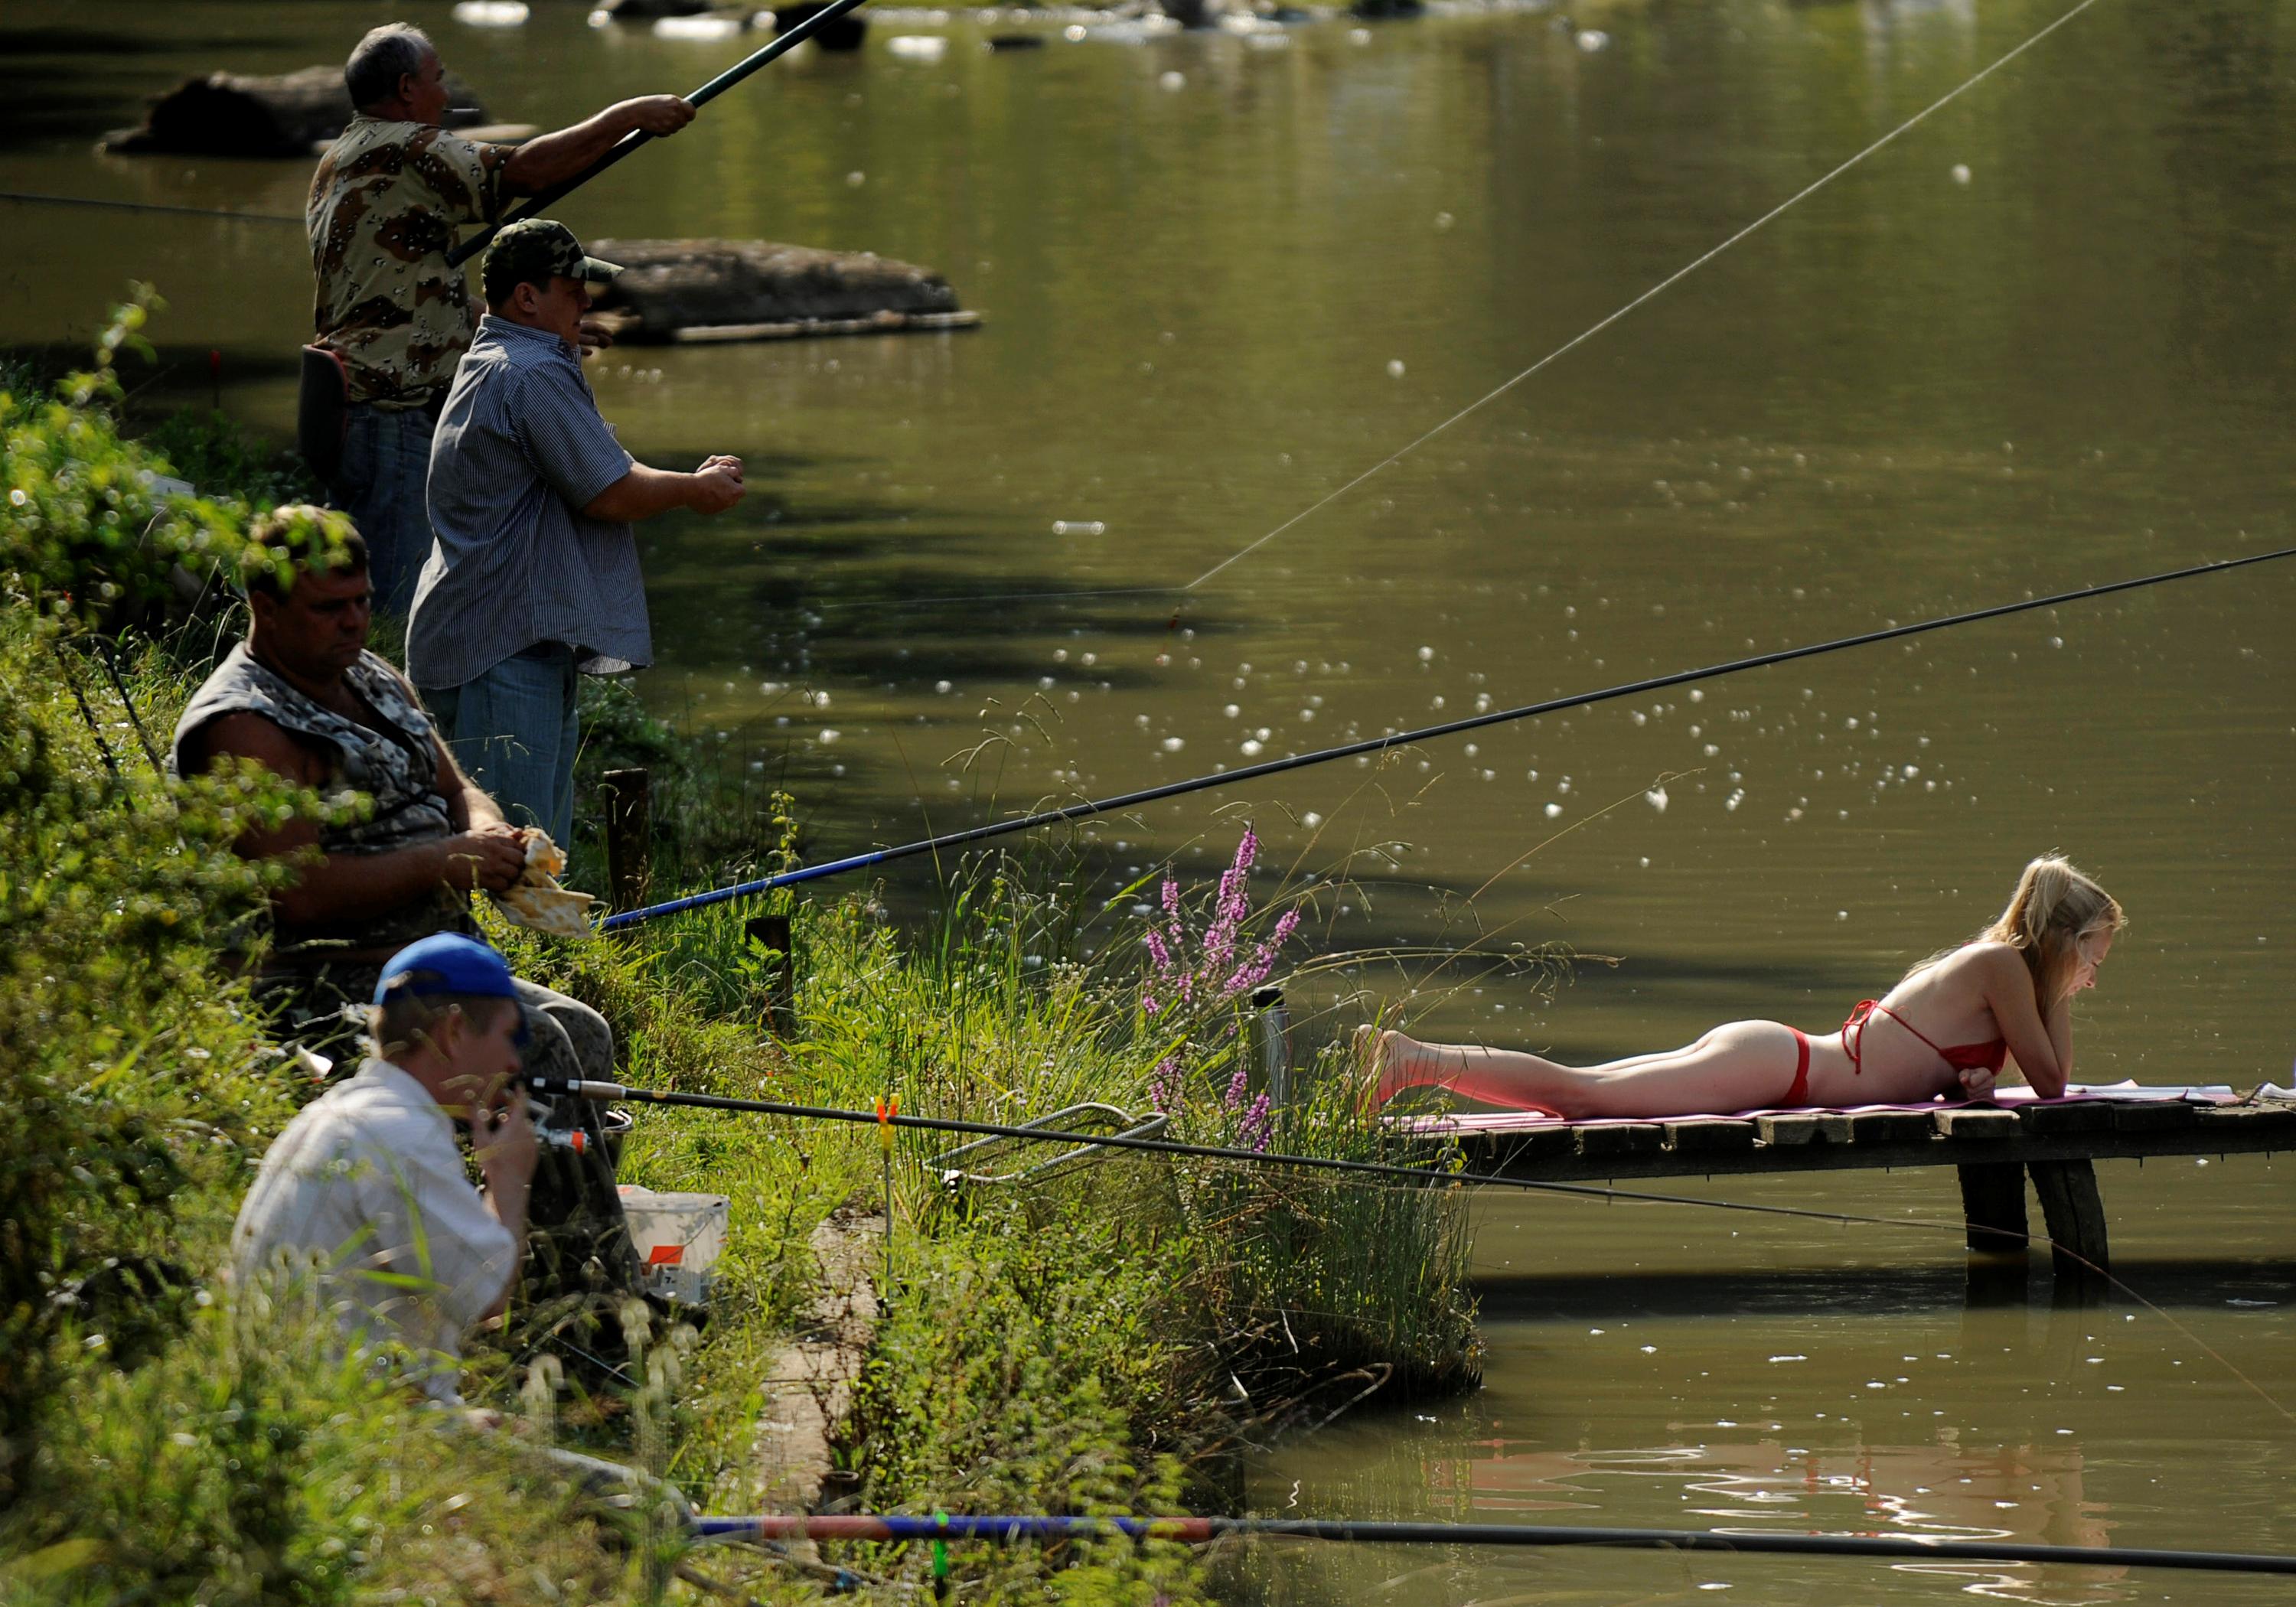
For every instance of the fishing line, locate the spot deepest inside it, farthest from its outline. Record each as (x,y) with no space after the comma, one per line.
(622,1093)
(1572,344)
(1371,745)
(33,197)
(1011,1530)
(1655,290)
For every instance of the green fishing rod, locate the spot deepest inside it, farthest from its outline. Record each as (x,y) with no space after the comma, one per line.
(781,46)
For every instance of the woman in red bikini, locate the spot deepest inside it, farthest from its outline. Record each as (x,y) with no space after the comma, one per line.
(1948,1028)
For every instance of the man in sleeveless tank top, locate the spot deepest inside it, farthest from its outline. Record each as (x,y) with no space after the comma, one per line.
(303,698)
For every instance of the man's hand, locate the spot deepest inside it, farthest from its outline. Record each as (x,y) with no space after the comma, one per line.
(716,484)
(502,1140)
(489,859)
(660,115)
(597,334)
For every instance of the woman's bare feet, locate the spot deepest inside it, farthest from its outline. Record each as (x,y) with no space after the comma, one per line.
(1384,1062)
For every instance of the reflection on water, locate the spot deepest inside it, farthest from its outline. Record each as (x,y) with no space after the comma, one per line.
(2045,338)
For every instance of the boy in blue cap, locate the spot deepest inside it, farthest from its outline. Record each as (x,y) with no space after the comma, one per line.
(365,1189)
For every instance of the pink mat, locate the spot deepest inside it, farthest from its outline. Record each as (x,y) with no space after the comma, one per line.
(1515,1121)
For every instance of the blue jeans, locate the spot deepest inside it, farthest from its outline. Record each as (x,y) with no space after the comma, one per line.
(515,732)
(386,465)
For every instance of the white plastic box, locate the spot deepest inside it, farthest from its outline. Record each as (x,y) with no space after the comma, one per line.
(678,1238)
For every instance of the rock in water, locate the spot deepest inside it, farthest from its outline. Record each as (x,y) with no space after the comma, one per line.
(844,34)
(673,286)
(237,114)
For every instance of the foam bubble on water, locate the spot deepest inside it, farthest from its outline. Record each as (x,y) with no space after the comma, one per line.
(1961,173)
(1656,797)
(1395,368)
(491,14)
(1426,655)
(1592,39)
(944,687)
(1553,810)
(856,178)
(918,47)
(1173,744)
(704,29)
(830,733)
(1311,820)
(1173,80)
(1252,748)
(1079,527)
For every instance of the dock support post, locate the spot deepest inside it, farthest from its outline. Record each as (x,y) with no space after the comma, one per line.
(1993,1200)
(2074,1212)
(627,798)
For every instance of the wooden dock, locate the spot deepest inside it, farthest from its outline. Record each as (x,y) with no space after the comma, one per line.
(1994,1150)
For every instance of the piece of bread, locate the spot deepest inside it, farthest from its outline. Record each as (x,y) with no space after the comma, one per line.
(536,901)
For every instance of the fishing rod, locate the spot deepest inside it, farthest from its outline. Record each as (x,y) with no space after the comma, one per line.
(781,46)
(1016,1530)
(612,1093)
(1322,755)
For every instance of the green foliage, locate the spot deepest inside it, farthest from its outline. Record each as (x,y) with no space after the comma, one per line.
(84,536)
(209,449)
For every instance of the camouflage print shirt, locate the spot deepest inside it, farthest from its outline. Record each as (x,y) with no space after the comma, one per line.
(387,204)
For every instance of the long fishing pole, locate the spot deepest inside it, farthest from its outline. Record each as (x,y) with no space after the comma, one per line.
(1324,756)
(781,47)
(621,1093)
(1017,1529)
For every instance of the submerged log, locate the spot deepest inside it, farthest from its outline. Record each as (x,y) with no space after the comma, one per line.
(239,114)
(688,290)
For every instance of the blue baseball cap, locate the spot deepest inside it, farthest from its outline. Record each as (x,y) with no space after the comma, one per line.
(450,963)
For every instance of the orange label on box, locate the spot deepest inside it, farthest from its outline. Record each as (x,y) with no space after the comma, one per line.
(664,1255)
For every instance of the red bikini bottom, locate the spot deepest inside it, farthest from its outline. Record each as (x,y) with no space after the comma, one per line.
(1799,1095)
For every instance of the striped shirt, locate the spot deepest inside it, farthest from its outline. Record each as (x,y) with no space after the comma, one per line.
(520,452)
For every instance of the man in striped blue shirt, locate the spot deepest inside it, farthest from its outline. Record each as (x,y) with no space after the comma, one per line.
(533,574)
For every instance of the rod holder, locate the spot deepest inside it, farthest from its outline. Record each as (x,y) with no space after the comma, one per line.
(626,799)
(1271,1025)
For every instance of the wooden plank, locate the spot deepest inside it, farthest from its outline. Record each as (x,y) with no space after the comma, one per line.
(2247,1123)
(2074,1212)
(2157,1116)
(1622,1138)
(1978,1123)
(1993,1200)
(1816,1128)
(1528,1144)
(2054,1119)
(1892,1127)
(1707,1136)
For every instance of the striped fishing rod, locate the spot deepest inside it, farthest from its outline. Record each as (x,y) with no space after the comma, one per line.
(542,201)
(1374,745)
(1020,1530)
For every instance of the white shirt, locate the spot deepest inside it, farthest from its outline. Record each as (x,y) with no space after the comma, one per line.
(366,1181)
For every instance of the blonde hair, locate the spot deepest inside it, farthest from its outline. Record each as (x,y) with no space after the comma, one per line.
(2054,906)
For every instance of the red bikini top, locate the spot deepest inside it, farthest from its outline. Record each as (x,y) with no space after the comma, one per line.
(1962,1057)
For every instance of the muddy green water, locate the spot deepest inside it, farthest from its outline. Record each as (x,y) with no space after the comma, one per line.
(2043,338)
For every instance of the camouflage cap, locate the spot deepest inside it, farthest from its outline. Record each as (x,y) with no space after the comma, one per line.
(533,250)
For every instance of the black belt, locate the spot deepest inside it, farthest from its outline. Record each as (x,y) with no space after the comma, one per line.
(543,650)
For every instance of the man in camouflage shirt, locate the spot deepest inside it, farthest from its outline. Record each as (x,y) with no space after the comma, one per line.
(388,203)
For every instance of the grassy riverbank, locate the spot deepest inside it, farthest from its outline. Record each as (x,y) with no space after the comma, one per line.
(1103,1348)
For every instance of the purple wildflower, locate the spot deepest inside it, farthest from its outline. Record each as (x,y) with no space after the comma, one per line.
(1164,1083)
(1253,1131)
(1238,1086)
